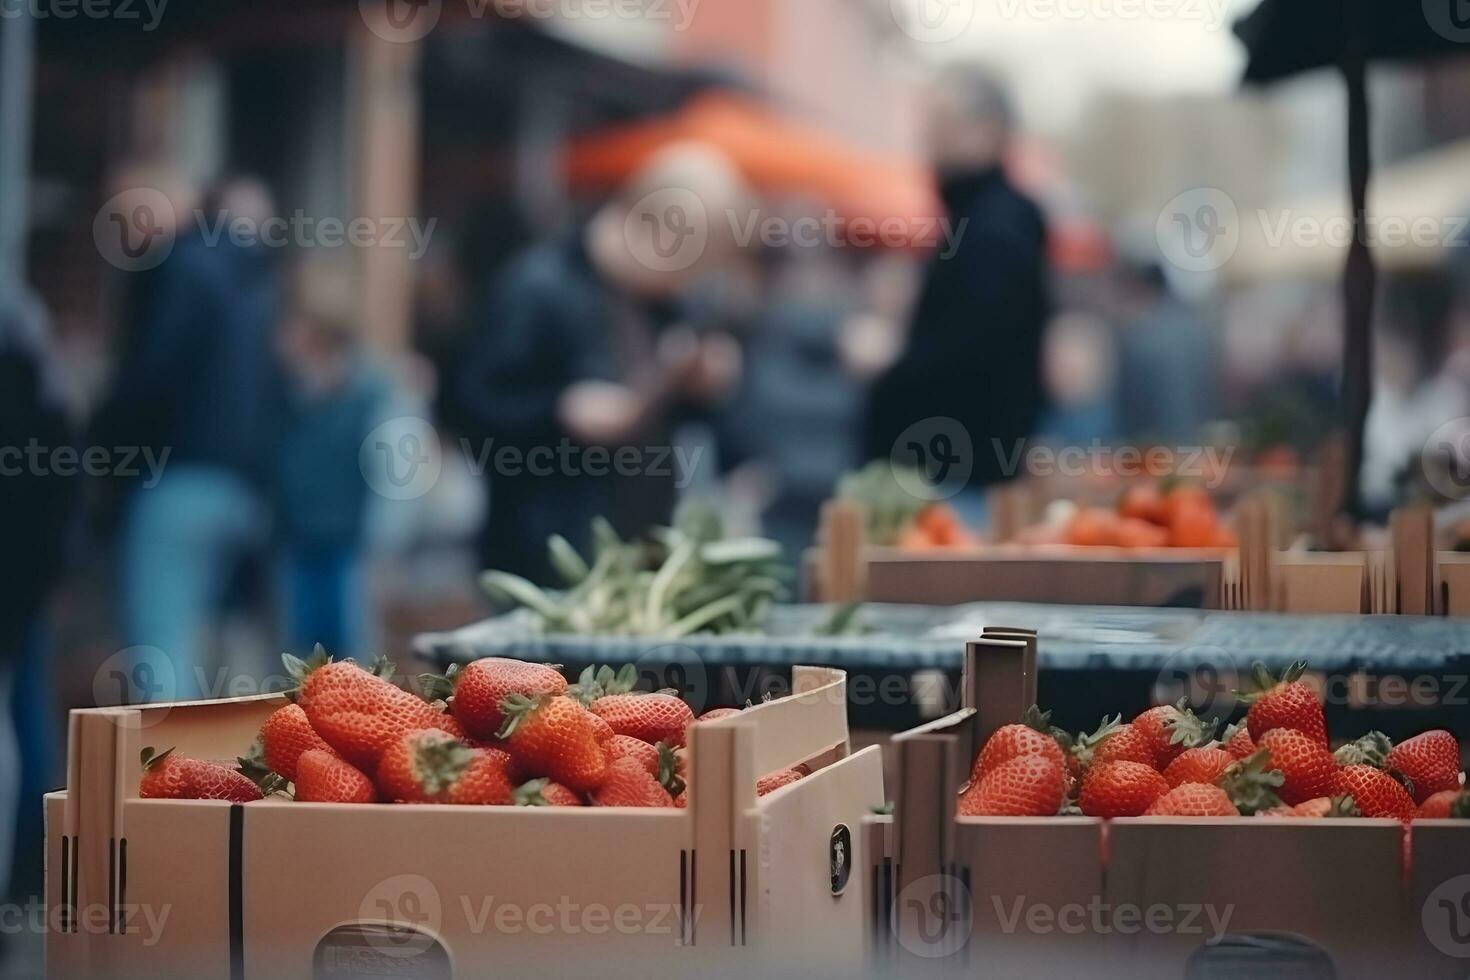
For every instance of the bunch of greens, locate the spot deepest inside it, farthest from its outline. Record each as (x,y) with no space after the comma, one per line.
(682,580)
(889,507)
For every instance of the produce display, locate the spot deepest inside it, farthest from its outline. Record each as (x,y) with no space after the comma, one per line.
(1276,762)
(685,579)
(499,733)
(1147,515)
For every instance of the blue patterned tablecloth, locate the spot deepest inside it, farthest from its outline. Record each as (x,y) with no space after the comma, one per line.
(1073,638)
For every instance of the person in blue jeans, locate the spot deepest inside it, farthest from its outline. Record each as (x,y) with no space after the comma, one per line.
(338,396)
(197,395)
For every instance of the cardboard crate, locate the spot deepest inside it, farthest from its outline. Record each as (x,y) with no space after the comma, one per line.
(288,891)
(1005,897)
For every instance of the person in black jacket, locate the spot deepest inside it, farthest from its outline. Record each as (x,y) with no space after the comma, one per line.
(590,350)
(974,346)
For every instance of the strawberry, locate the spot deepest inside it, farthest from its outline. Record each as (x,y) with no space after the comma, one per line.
(360,713)
(167,776)
(1284,703)
(773,781)
(543,792)
(1320,808)
(1238,742)
(1033,736)
(1431,761)
(1172,728)
(651,717)
(285,735)
(1025,786)
(1120,789)
(474,691)
(1115,742)
(323,777)
(715,714)
(1193,800)
(620,746)
(1202,765)
(627,783)
(554,736)
(1376,793)
(432,766)
(1450,804)
(1306,767)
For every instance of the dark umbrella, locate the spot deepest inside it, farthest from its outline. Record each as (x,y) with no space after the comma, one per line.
(1285,37)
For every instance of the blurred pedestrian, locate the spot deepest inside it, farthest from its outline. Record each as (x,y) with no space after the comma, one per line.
(37,493)
(589,352)
(1168,379)
(974,347)
(337,396)
(198,391)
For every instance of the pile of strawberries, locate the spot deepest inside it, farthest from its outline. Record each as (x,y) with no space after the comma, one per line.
(1277,762)
(499,733)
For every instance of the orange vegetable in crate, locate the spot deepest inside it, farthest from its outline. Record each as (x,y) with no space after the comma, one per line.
(1193,525)
(1143,502)
(1134,533)
(1092,527)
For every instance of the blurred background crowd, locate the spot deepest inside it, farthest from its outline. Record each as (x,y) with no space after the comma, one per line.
(338,303)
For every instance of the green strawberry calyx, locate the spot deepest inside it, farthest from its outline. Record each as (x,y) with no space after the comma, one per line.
(530,794)
(1460,808)
(1370,750)
(1267,682)
(1251,786)
(439,761)
(1344,807)
(600,682)
(252,766)
(668,770)
(150,758)
(517,708)
(1087,743)
(439,687)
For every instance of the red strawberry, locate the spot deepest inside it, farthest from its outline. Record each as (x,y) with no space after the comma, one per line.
(1307,768)
(359,713)
(1450,804)
(1376,793)
(1172,728)
(651,717)
(1193,800)
(1120,789)
(474,691)
(543,792)
(167,776)
(715,714)
(1115,742)
(1238,742)
(773,781)
(621,746)
(324,777)
(1203,765)
(285,735)
(1026,786)
(556,737)
(627,783)
(1284,703)
(1431,761)
(1320,808)
(432,766)
(1033,736)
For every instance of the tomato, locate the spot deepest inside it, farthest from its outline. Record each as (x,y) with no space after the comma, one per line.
(1143,502)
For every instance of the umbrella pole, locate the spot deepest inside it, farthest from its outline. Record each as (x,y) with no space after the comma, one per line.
(1360,285)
